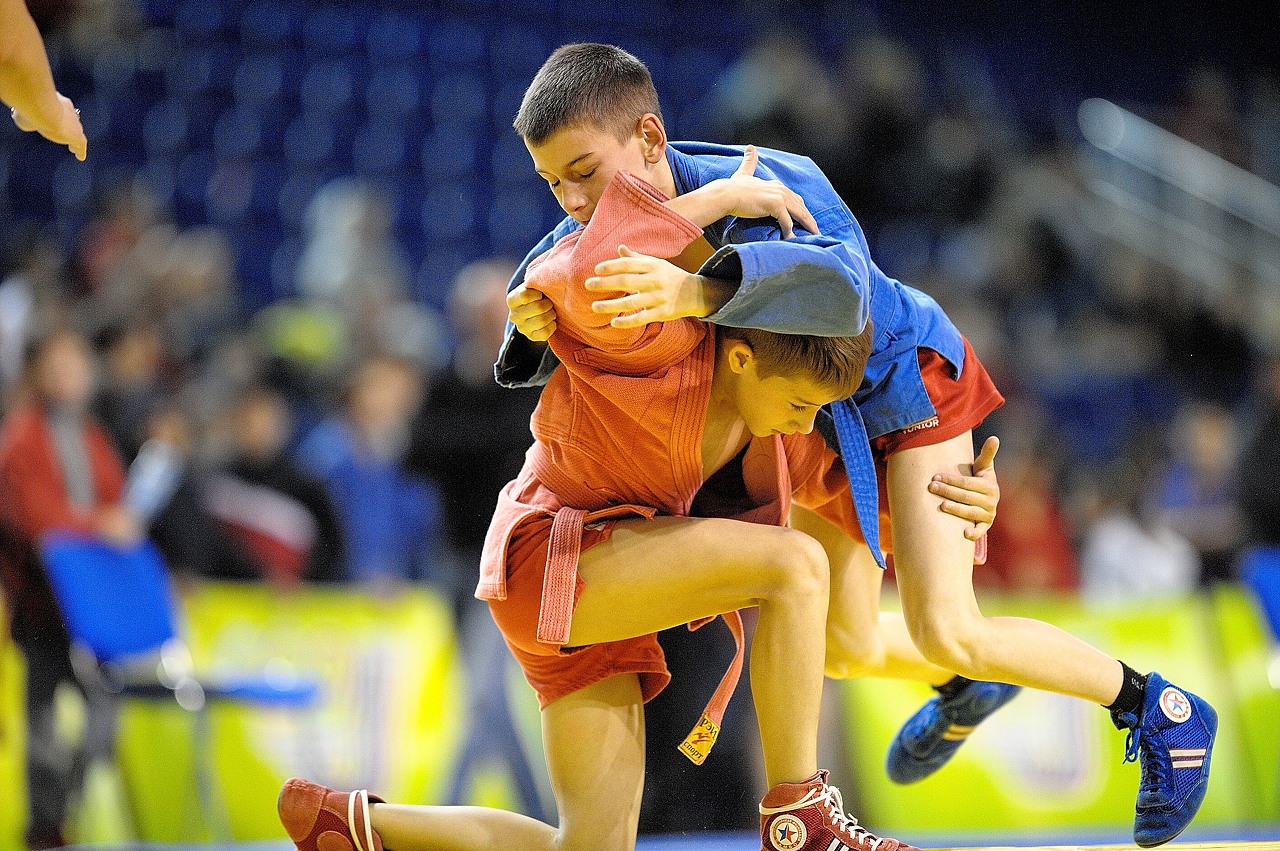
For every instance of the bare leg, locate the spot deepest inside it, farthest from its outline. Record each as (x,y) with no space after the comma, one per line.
(862,640)
(594,740)
(651,575)
(655,574)
(934,564)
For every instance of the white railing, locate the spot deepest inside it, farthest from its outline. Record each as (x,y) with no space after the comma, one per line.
(1214,222)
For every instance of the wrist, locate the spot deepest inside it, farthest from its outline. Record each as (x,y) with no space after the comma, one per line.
(702,206)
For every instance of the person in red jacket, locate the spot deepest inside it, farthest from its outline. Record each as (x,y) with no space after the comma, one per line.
(58,471)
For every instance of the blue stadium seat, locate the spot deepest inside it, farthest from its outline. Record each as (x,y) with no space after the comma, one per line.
(114,68)
(192,185)
(449,153)
(204,68)
(327,87)
(299,187)
(237,135)
(309,141)
(511,164)
(164,129)
(517,52)
(273,23)
(333,31)
(515,215)
(284,268)
(395,93)
(394,36)
(259,80)
(201,20)
(448,212)
(459,97)
(378,148)
(454,43)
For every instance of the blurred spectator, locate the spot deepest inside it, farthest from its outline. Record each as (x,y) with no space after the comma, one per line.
(1029,548)
(1262,123)
(31,298)
(1258,468)
(1128,551)
(353,264)
(470,437)
(194,291)
(780,95)
(132,384)
(1208,114)
(277,518)
(123,239)
(1197,491)
(391,518)
(471,434)
(58,471)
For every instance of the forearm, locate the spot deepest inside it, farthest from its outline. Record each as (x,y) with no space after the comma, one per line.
(26,82)
(702,206)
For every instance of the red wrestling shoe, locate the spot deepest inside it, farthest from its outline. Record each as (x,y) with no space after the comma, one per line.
(318,818)
(809,816)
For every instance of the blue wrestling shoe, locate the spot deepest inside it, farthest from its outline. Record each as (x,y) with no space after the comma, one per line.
(939,728)
(1172,742)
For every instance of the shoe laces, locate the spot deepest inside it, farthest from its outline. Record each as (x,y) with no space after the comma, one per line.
(830,798)
(1155,768)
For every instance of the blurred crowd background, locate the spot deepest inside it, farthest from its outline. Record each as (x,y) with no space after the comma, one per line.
(282,268)
(286,255)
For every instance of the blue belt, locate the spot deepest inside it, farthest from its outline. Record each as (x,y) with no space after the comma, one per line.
(860,466)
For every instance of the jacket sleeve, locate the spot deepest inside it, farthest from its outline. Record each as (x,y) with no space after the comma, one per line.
(523,362)
(813,285)
(817,284)
(629,212)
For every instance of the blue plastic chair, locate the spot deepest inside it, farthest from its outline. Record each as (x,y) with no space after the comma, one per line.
(122,615)
(1260,570)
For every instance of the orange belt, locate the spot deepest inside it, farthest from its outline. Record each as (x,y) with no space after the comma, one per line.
(559,585)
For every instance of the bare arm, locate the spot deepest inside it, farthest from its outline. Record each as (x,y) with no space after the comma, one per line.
(26,83)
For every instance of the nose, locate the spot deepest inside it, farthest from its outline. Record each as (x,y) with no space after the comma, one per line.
(573,199)
(805,425)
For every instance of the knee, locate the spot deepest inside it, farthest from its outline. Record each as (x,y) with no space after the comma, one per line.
(954,643)
(852,652)
(799,565)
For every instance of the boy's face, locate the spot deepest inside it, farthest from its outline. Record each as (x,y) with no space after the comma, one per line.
(578,162)
(779,404)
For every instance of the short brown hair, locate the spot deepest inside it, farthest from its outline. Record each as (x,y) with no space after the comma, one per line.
(837,363)
(587,84)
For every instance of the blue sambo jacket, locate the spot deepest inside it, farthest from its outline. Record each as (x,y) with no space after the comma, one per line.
(822,284)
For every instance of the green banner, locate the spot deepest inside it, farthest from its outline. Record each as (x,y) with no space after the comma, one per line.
(1052,763)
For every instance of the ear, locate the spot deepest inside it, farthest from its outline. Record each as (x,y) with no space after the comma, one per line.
(739,355)
(654,137)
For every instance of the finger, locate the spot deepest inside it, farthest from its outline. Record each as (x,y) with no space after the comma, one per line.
(784,222)
(971,513)
(538,328)
(542,334)
(626,303)
(522,295)
(987,457)
(622,266)
(801,215)
(749,160)
(954,483)
(79,147)
(973,533)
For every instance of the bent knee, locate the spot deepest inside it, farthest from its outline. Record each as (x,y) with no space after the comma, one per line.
(851,654)
(799,564)
(954,643)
